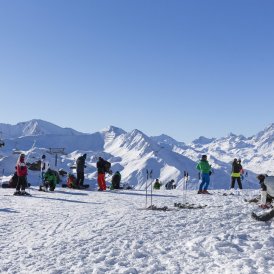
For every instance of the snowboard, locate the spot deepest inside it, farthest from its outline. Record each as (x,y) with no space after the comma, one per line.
(82,187)
(6,185)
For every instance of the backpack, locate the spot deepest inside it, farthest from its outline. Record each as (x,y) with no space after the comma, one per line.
(236,168)
(107,166)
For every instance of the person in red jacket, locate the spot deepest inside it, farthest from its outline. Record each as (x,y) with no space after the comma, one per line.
(22,172)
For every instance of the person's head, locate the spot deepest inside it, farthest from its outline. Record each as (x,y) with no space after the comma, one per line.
(100,158)
(22,156)
(239,160)
(85,155)
(44,156)
(261,177)
(204,157)
(235,160)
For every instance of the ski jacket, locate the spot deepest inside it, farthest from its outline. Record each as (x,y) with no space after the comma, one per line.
(21,168)
(80,164)
(50,177)
(71,182)
(44,165)
(157,185)
(237,169)
(103,166)
(204,167)
(116,178)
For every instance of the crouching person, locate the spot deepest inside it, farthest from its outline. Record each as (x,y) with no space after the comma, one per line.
(115,181)
(72,182)
(267,190)
(267,194)
(157,184)
(50,181)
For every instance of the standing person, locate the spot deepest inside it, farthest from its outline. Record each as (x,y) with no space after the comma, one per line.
(103,166)
(205,170)
(80,167)
(236,174)
(22,172)
(115,181)
(44,167)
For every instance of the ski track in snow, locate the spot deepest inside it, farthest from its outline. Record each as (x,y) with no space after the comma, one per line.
(93,232)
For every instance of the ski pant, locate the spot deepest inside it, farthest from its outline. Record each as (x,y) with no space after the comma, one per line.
(205,181)
(233,179)
(80,178)
(101,181)
(21,183)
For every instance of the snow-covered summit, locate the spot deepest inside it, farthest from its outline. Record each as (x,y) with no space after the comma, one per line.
(34,127)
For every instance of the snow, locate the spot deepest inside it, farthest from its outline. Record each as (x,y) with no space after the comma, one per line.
(74,231)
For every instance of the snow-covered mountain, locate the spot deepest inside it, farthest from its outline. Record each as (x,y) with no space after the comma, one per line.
(133,153)
(33,128)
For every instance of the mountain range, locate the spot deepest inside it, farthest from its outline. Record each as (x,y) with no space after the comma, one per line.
(133,153)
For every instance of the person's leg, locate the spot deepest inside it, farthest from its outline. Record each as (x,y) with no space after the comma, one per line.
(104,183)
(207,180)
(239,181)
(232,185)
(101,181)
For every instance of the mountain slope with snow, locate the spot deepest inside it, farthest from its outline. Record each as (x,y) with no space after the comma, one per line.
(133,153)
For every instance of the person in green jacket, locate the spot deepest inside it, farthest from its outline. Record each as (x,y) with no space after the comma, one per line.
(50,181)
(157,184)
(205,171)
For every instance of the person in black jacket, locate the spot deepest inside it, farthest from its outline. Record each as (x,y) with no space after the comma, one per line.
(236,172)
(80,167)
(103,167)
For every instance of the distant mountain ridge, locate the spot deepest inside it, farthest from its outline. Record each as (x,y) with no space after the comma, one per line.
(133,153)
(34,127)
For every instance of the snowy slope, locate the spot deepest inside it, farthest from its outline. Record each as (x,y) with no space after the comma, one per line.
(93,232)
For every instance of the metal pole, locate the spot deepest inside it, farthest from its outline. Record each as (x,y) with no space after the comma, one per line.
(151,187)
(2,176)
(146,188)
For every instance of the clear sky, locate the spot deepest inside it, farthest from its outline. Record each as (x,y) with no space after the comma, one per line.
(183,68)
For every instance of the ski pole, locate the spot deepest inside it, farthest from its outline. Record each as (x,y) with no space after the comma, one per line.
(146,188)
(2,176)
(151,187)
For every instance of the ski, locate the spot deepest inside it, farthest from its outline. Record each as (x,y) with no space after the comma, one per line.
(189,206)
(153,207)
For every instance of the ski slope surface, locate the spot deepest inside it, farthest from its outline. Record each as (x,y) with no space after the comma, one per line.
(74,231)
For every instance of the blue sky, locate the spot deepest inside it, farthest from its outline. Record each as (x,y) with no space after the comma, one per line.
(183,68)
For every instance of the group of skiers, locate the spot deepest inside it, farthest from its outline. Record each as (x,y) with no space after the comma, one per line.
(49,179)
(205,171)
